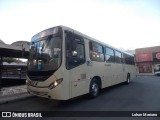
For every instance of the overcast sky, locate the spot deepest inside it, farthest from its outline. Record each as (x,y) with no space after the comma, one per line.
(126,24)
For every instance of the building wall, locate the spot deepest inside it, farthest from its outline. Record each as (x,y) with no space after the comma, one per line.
(148,50)
(148,60)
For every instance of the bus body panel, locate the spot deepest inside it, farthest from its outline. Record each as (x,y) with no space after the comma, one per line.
(60,92)
(76,81)
(56,93)
(108,74)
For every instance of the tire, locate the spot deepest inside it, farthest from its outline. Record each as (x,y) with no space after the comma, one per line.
(94,88)
(128,79)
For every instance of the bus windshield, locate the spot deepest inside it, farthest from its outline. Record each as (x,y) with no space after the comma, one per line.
(45,54)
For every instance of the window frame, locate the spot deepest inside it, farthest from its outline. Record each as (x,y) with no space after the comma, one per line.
(68,56)
(116,51)
(128,59)
(91,51)
(106,47)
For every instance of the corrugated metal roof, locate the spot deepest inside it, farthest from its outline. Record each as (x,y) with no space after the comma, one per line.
(14,49)
(18,45)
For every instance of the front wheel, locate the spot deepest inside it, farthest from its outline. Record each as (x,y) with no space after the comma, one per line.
(94,88)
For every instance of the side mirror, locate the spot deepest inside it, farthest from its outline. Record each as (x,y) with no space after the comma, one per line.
(74,53)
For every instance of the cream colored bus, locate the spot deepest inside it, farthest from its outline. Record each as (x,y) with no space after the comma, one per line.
(64,63)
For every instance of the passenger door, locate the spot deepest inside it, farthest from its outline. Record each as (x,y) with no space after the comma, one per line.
(75,64)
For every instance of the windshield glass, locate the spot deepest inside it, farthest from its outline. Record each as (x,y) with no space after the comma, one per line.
(45,54)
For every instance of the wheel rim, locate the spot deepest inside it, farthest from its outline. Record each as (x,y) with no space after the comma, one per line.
(94,89)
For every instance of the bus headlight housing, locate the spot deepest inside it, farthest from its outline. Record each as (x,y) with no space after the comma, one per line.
(55,83)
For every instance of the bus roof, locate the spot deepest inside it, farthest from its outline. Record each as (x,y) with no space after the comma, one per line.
(89,38)
(93,39)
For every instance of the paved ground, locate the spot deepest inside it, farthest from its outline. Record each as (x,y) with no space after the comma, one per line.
(142,94)
(13,90)
(10,94)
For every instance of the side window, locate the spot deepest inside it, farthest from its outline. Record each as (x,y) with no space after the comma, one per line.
(126,60)
(133,60)
(80,51)
(96,52)
(129,59)
(109,55)
(118,57)
(75,51)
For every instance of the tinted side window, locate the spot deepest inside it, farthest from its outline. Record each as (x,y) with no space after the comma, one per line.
(129,59)
(133,60)
(126,59)
(118,57)
(96,52)
(109,55)
(80,51)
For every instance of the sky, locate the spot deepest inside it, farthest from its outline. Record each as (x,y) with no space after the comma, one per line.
(124,24)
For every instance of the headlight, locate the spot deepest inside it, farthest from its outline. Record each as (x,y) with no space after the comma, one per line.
(55,83)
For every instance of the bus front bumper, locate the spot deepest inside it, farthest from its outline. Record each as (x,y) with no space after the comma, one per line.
(55,93)
(42,92)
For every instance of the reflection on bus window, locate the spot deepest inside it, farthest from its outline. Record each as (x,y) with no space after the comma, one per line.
(97,52)
(45,54)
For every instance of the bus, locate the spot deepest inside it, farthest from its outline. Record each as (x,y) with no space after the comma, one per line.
(64,63)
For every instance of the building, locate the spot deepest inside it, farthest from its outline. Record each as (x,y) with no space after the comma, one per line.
(10,71)
(148,60)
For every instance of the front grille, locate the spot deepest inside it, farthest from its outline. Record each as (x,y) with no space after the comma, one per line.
(38,78)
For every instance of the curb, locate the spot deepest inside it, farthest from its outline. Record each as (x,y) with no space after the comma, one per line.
(15,97)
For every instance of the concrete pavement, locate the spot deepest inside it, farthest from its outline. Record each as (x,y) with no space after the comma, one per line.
(14,93)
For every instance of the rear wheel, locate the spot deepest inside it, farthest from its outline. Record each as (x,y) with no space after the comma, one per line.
(94,88)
